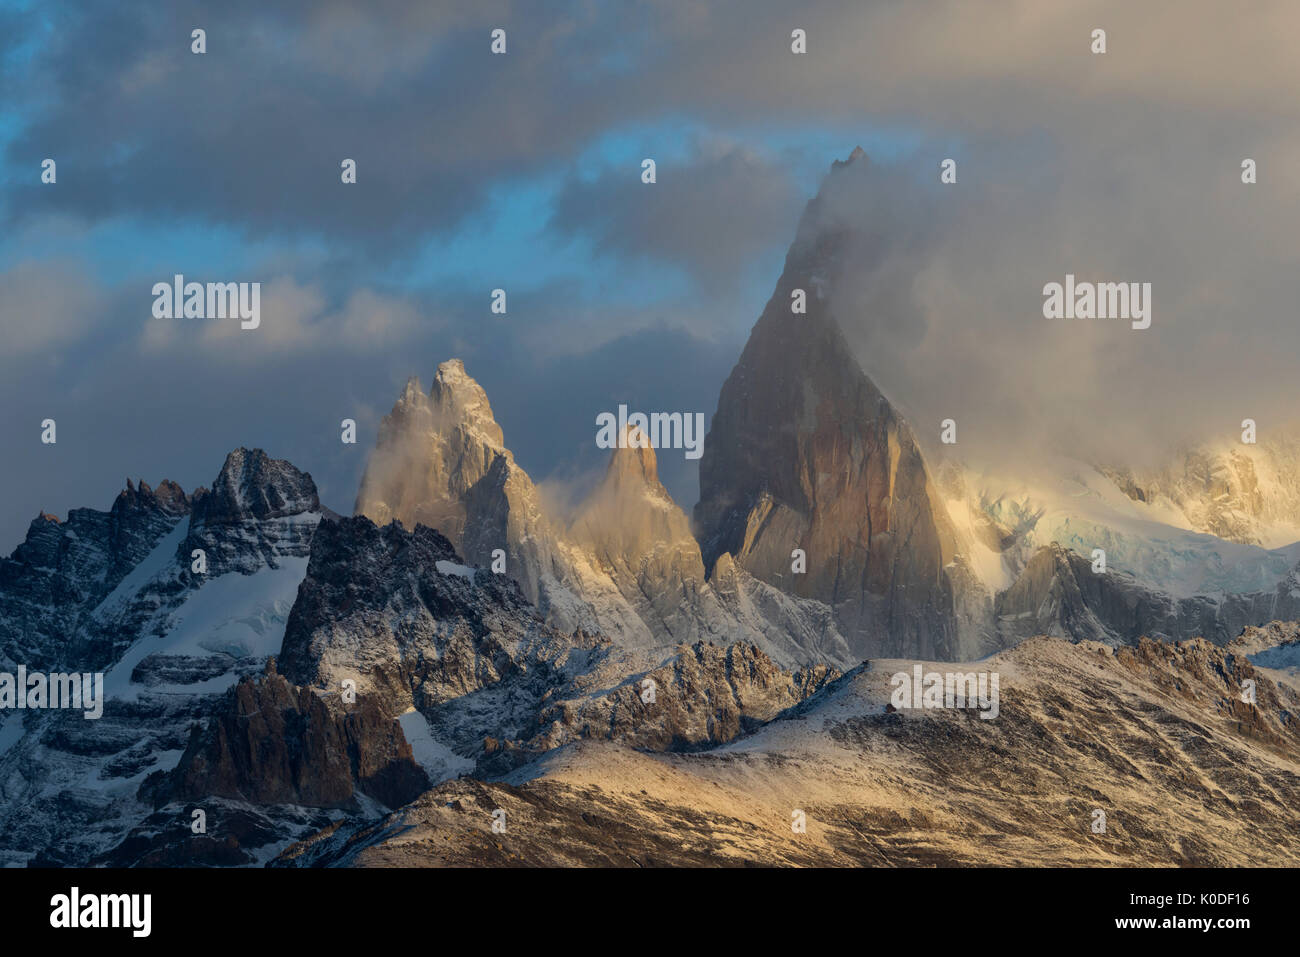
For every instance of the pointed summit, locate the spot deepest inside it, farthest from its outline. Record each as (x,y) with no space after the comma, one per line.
(805,453)
(432,450)
(630,514)
(252,485)
(458,398)
(634,462)
(169,498)
(260,510)
(413,391)
(858,154)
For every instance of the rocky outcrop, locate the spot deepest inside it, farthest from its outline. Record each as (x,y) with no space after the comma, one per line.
(399,613)
(1059,594)
(703,696)
(275,743)
(1154,737)
(796,629)
(1214,679)
(1275,634)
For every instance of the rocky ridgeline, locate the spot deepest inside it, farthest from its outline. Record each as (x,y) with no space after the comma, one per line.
(804,456)
(702,696)
(1213,679)
(55,579)
(281,751)
(455,630)
(624,565)
(1059,594)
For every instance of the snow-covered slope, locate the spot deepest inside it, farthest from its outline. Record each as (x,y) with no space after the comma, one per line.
(172,641)
(1154,736)
(1081,508)
(1241,492)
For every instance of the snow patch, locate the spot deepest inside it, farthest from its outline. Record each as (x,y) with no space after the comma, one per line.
(238,615)
(452,568)
(440,762)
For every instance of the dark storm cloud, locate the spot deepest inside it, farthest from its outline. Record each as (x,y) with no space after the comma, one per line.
(253,132)
(710,213)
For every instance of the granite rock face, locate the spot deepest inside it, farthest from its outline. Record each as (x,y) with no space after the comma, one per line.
(804,452)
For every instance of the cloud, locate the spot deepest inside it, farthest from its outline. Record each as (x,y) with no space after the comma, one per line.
(252,133)
(48,305)
(710,213)
(299,319)
(1123,166)
(939,290)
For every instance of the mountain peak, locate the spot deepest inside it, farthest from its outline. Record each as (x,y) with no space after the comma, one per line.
(804,452)
(431,451)
(858,154)
(251,484)
(458,399)
(634,460)
(414,389)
